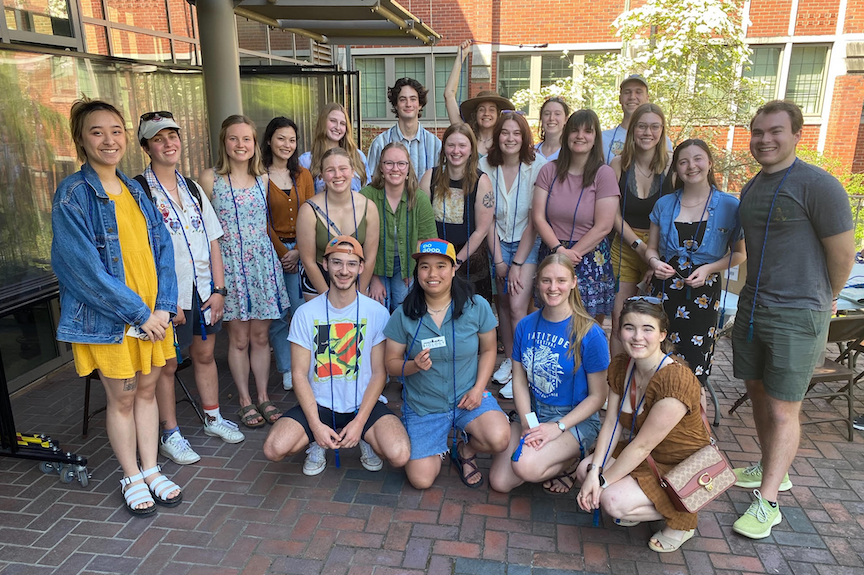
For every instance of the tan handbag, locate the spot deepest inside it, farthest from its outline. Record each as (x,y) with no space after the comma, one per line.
(700,478)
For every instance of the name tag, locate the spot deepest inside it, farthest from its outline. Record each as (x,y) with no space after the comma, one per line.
(433,342)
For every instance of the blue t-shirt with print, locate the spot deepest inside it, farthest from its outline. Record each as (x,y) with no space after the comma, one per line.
(542,346)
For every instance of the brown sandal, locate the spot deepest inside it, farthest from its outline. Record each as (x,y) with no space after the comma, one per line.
(248,414)
(269,412)
(566,479)
(461,462)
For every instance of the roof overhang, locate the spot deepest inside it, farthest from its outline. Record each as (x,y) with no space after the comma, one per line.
(343,22)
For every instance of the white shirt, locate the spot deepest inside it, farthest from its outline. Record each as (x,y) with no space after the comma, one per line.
(309,329)
(183,222)
(513,201)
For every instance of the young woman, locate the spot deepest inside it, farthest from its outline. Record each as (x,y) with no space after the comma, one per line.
(464,204)
(334,130)
(574,208)
(480,112)
(665,397)
(289,186)
(433,341)
(641,171)
(253,272)
(695,235)
(405,216)
(338,211)
(512,170)
(553,115)
(118,291)
(560,356)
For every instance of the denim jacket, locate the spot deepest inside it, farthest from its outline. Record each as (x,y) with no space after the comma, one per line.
(722,229)
(95,304)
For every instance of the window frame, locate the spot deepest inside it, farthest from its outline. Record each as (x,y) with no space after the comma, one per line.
(76,42)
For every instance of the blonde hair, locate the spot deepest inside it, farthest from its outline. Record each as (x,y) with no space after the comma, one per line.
(411,183)
(319,142)
(223,165)
(661,154)
(581,321)
(469,179)
(81,109)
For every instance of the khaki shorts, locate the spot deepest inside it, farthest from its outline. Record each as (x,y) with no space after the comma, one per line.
(632,268)
(786,344)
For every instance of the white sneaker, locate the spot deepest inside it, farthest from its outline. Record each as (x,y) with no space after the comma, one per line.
(505,371)
(227,430)
(287,383)
(369,458)
(507,391)
(316,460)
(178,450)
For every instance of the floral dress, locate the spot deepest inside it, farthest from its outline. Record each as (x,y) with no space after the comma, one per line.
(253,273)
(693,312)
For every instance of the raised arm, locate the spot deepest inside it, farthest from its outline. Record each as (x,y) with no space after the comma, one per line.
(453,83)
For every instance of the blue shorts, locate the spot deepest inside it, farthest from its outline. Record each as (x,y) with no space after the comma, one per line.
(428,433)
(192,327)
(508,251)
(585,431)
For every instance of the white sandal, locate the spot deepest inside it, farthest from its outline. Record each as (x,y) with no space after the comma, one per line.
(162,486)
(136,495)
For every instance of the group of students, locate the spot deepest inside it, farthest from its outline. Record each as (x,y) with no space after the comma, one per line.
(353,282)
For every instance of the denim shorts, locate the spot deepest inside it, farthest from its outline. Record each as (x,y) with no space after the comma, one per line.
(192,326)
(428,433)
(508,251)
(585,431)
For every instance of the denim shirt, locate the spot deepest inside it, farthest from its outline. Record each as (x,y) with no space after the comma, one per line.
(721,229)
(95,303)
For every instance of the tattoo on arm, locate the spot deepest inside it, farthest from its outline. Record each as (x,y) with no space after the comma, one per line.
(129,384)
(488,200)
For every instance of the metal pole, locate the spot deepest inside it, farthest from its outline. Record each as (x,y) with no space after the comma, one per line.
(221,63)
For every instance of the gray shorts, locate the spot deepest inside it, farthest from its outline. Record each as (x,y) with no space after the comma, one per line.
(786,344)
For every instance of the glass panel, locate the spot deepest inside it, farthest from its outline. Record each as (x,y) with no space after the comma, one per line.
(140,14)
(251,35)
(96,39)
(373,87)
(553,67)
(50,17)
(182,23)
(91,8)
(36,150)
(140,46)
(411,68)
(514,73)
(764,70)
(185,53)
(27,339)
(443,65)
(807,77)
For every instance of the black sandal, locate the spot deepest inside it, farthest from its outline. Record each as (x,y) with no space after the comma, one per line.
(563,479)
(470,461)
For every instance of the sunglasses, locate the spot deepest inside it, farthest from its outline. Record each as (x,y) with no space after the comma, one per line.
(153,115)
(646,298)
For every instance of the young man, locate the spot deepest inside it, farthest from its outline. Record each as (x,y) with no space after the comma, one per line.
(194,230)
(791,212)
(633,92)
(407,99)
(337,358)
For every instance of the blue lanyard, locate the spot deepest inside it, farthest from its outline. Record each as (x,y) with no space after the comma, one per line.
(764,239)
(327,214)
(576,211)
(611,143)
(688,249)
(189,248)
(623,211)
(384,203)
(636,408)
(466,209)
(330,360)
(498,180)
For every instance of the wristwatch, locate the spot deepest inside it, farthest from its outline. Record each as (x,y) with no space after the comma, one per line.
(636,243)
(223,291)
(562,427)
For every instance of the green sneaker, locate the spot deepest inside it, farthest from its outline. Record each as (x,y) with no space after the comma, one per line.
(751,478)
(757,521)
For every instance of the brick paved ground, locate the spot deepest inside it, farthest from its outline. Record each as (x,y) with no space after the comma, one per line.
(242,514)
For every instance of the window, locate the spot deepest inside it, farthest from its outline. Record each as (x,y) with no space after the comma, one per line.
(514,74)
(411,68)
(373,87)
(443,65)
(51,18)
(764,70)
(553,67)
(806,81)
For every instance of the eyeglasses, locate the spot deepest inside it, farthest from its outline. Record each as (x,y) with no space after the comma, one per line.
(512,112)
(646,298)
(655,128)
(402,166)
(153,115)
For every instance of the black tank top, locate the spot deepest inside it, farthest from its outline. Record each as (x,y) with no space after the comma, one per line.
(637,210)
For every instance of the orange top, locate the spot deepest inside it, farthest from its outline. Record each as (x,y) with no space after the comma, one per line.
(284,206)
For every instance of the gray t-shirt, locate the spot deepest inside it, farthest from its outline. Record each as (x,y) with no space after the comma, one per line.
(811,205)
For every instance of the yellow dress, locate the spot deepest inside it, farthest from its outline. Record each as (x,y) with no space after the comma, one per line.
(124,360)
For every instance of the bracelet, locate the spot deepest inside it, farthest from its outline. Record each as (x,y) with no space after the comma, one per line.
(501,262)
(515,263)
(836,298)
(653,258)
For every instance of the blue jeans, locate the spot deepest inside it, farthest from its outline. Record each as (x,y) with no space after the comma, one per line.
(279,327)
(395,286)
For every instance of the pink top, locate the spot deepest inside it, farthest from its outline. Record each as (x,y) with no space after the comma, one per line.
(565,194)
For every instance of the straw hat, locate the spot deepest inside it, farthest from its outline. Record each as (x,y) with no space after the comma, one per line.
(468,107)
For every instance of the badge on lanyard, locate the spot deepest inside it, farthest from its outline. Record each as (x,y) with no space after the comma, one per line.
(433,342)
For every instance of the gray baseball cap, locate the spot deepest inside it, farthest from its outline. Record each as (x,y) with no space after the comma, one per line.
(153,122)
(634,78)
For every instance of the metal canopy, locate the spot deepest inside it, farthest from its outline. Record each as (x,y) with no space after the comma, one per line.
(343,22)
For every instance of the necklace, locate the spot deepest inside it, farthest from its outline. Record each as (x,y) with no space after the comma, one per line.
(696,205)
(647,174)
(438,310)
